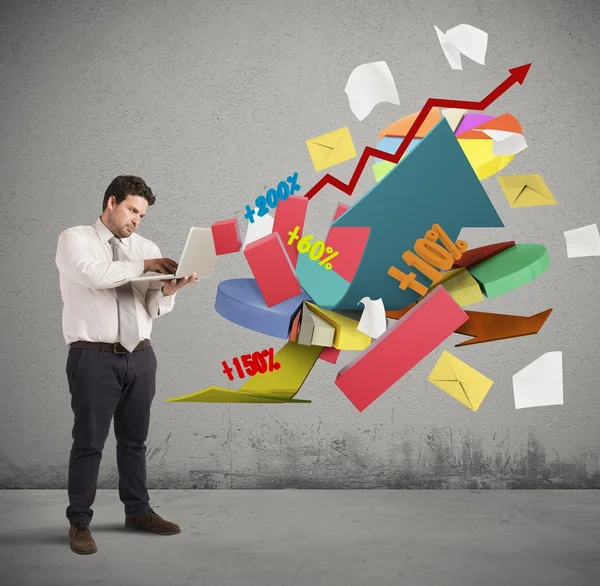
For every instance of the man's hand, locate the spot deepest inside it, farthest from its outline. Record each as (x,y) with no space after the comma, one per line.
(172,286)
(166,266)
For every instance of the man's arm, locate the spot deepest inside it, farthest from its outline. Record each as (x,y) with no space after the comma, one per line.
(74,258)
(157,303)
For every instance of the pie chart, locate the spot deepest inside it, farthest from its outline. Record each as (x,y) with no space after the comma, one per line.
(469,131)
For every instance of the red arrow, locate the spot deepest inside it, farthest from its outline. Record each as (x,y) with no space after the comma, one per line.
(517,75)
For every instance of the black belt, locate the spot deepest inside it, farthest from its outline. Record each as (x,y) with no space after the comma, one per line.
(109,347)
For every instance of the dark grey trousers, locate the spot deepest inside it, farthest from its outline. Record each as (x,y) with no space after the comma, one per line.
(103,385)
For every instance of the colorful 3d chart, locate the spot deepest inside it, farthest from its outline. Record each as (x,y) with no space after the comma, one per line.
(347,336)
(272,269)
(472,120)
(488,327)
(475,256)
(226,236)
(423,189)
(511,269)
(277,386)
(461,286)
(402,347)
(241,302)
(289,214)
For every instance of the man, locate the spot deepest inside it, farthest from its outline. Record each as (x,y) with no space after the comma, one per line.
(111,365)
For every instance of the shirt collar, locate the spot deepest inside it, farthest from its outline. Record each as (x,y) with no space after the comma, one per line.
(105,233)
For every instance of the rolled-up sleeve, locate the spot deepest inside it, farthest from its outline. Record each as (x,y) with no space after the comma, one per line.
(74,259)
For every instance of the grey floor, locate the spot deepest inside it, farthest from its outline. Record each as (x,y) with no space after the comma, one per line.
(313,538)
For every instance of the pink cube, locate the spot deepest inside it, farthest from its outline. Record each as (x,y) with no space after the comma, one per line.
(403,346)
(272,269)
(330,354)
(226,236)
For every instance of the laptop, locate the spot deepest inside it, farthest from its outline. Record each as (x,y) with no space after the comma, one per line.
(198,257)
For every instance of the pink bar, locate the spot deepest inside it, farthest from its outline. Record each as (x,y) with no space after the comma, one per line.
(330,354)
(272,269)
(341,208)
(403,346)
(289,214)
(226,236)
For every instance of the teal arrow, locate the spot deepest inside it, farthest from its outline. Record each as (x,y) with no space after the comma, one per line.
(434,184)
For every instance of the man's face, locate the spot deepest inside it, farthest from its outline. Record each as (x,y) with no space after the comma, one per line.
(124,218)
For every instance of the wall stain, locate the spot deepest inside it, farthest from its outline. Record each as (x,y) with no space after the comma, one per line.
(19,475)
(162,448)
(438,460)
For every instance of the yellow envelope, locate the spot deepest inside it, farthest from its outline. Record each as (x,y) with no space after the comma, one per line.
(526,191)
(460,381)
(331,149)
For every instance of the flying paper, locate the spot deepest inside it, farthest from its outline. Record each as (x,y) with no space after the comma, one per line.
(368,85)
(262,226)
(505,143)
(540,383)
(583,241)
(465,39)
(372,321)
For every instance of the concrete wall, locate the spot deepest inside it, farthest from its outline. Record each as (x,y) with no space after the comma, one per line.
(211,102)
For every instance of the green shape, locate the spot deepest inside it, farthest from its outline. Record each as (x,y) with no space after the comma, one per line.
(381,169)
(511,269)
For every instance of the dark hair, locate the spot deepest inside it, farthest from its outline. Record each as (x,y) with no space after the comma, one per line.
(125,185)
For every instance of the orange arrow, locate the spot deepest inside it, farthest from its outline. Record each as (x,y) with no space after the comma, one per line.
(398,313)
(488,327)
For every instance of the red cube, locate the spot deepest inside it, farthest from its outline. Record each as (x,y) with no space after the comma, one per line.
(272,269)
(226,236)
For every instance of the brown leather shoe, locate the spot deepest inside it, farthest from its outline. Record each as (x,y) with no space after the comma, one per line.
(81,539)
(151,522)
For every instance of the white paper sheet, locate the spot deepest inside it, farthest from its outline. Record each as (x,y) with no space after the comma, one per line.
(505,143)
(373,321)
(262,226)
(465,39)
(368,85)
(540,383)
(583,241)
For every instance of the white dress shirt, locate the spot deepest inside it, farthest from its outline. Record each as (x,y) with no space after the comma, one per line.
(88,281)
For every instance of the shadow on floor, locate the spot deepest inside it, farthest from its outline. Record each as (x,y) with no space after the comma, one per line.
(54,535)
